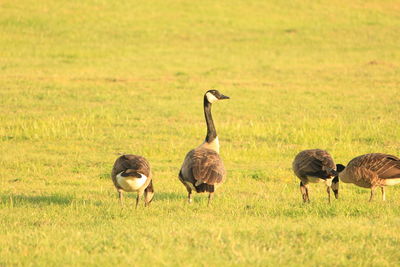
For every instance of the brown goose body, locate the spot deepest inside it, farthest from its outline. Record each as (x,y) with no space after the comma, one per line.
(315,166)
(132,173)
(371,171)
(202,169)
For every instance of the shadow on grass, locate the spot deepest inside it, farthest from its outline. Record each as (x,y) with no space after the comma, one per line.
(163,196)
(20,200)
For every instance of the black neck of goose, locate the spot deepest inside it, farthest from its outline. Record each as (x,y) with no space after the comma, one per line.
(211,132)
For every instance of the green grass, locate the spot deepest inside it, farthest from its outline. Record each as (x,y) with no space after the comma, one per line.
(83,81)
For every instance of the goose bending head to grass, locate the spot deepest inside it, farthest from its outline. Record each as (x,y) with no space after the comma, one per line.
(372,171)
(315,166)
(202,169)
(131,173)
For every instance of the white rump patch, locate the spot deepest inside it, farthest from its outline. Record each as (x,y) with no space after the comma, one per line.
(130,184)
(391,181)
(312,179)
(328,182)
(211,98)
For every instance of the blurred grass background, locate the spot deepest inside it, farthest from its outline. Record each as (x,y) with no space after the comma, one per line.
(83,81)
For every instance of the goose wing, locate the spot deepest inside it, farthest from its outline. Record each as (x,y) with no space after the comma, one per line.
(384,165)
(131,163)
(207,166)
(315,162)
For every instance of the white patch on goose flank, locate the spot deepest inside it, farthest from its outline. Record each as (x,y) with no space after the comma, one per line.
(312,179)
(130,184)
(328,182)
(392,181)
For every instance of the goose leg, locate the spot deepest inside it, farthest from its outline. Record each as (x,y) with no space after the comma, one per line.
(186,184)
(383,193)
(190,196)
(120,197)
(328,189)
(372,193)
(139,194)
(304,192)
(148,194)
(210,197)
(308,196)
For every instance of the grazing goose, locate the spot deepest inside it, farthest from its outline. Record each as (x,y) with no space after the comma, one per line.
(372,171)
(131,173)
(314,166)
(203,170)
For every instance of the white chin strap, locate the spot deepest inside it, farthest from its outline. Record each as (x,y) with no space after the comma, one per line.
(211,98)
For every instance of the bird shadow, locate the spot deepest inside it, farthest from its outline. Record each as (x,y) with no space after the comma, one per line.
(20,200)
(170,196)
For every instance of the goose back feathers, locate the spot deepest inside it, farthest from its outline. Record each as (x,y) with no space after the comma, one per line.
(203,170)
(371,170)
(314,163)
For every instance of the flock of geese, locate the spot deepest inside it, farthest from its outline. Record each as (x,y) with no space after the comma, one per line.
(203,170)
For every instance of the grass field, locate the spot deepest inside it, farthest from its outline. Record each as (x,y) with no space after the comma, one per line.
(81,81)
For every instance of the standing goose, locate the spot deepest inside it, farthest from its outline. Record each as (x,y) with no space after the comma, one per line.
(131,173)
(203,170)
(314,166)
(372,171)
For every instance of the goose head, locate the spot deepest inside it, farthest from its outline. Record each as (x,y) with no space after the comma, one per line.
(212,96)
(335,181)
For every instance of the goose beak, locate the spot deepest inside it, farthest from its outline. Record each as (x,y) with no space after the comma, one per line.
(224,97)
